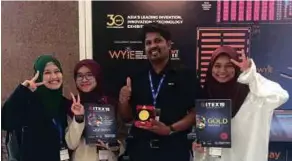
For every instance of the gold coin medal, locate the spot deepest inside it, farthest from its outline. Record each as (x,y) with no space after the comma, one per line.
(144,115)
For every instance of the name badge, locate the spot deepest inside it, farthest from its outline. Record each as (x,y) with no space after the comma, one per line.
(157,114)
(103,155)
(64,154)
(157,118)
(215,152)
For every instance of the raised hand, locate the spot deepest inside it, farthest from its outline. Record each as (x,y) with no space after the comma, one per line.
(125,92)
(245,64)
(31,84)
(76,107)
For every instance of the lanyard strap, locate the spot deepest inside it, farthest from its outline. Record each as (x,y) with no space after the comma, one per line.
(155,93)
(59,127)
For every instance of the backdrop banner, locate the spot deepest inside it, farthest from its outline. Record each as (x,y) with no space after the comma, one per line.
(262,29)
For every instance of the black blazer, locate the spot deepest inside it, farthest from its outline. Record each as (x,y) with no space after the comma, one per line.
(40,138)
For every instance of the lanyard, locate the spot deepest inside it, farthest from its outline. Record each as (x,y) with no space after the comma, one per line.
(59,127)
(155,93)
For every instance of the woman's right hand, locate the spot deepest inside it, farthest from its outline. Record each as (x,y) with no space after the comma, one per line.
(31,84)
(198,147)
(76,107)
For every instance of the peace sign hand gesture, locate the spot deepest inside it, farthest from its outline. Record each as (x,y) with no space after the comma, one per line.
(76,107)
(31,84)
(245,64)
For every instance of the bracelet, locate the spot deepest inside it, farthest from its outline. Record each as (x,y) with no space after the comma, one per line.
(79,118)
(171,128)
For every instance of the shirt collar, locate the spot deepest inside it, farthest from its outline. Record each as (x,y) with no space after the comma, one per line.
(169,67)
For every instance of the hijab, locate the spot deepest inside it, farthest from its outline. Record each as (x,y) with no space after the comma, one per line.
(96,95)
(233,90)
(50,98)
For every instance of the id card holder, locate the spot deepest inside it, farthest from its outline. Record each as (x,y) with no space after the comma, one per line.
(157,118)
(157,114)
(64,154)
(103,155)
(215,152)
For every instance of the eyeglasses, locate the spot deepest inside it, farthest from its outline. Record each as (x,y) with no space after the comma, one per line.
(87,76)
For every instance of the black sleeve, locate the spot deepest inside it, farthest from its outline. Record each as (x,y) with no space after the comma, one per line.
(197,87)
(15,107)
(195,90)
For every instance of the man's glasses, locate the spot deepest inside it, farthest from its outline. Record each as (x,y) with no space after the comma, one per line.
(87,76)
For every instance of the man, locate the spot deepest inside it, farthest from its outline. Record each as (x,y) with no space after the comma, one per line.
(170,89)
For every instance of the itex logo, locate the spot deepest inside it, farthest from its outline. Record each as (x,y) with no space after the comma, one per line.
(105,109)
(115,21)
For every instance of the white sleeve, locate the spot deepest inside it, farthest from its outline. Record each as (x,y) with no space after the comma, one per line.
(74,133)
(270,92)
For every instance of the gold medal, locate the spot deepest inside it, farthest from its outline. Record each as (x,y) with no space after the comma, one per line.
(144,115)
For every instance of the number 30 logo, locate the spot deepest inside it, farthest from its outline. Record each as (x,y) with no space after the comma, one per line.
(115,20)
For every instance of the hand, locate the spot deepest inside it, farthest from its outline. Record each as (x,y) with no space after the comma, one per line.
(31,84)
(76,107)
(157,127)
(198,147)
(108,147)
(245,64)
(102,144)
(125,92)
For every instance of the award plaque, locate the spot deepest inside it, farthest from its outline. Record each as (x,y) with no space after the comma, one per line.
(213,122)
(144,114)
(100,123)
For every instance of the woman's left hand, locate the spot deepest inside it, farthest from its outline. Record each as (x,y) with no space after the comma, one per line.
(102,144)
(108,147)
(245,64)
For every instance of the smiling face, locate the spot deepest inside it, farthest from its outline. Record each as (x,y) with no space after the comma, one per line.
(157,48)
(85,80)
(52,76)
(223,70)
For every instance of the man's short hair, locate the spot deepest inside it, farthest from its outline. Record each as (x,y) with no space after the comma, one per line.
(158,28)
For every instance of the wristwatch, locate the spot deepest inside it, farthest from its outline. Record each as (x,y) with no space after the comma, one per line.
(172,130)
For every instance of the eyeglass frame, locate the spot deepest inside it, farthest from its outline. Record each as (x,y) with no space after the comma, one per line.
(88,76)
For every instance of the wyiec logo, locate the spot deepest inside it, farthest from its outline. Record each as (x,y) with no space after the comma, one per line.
(174,55)
(129,54)
(126,54)
(115,21)
(274,155)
